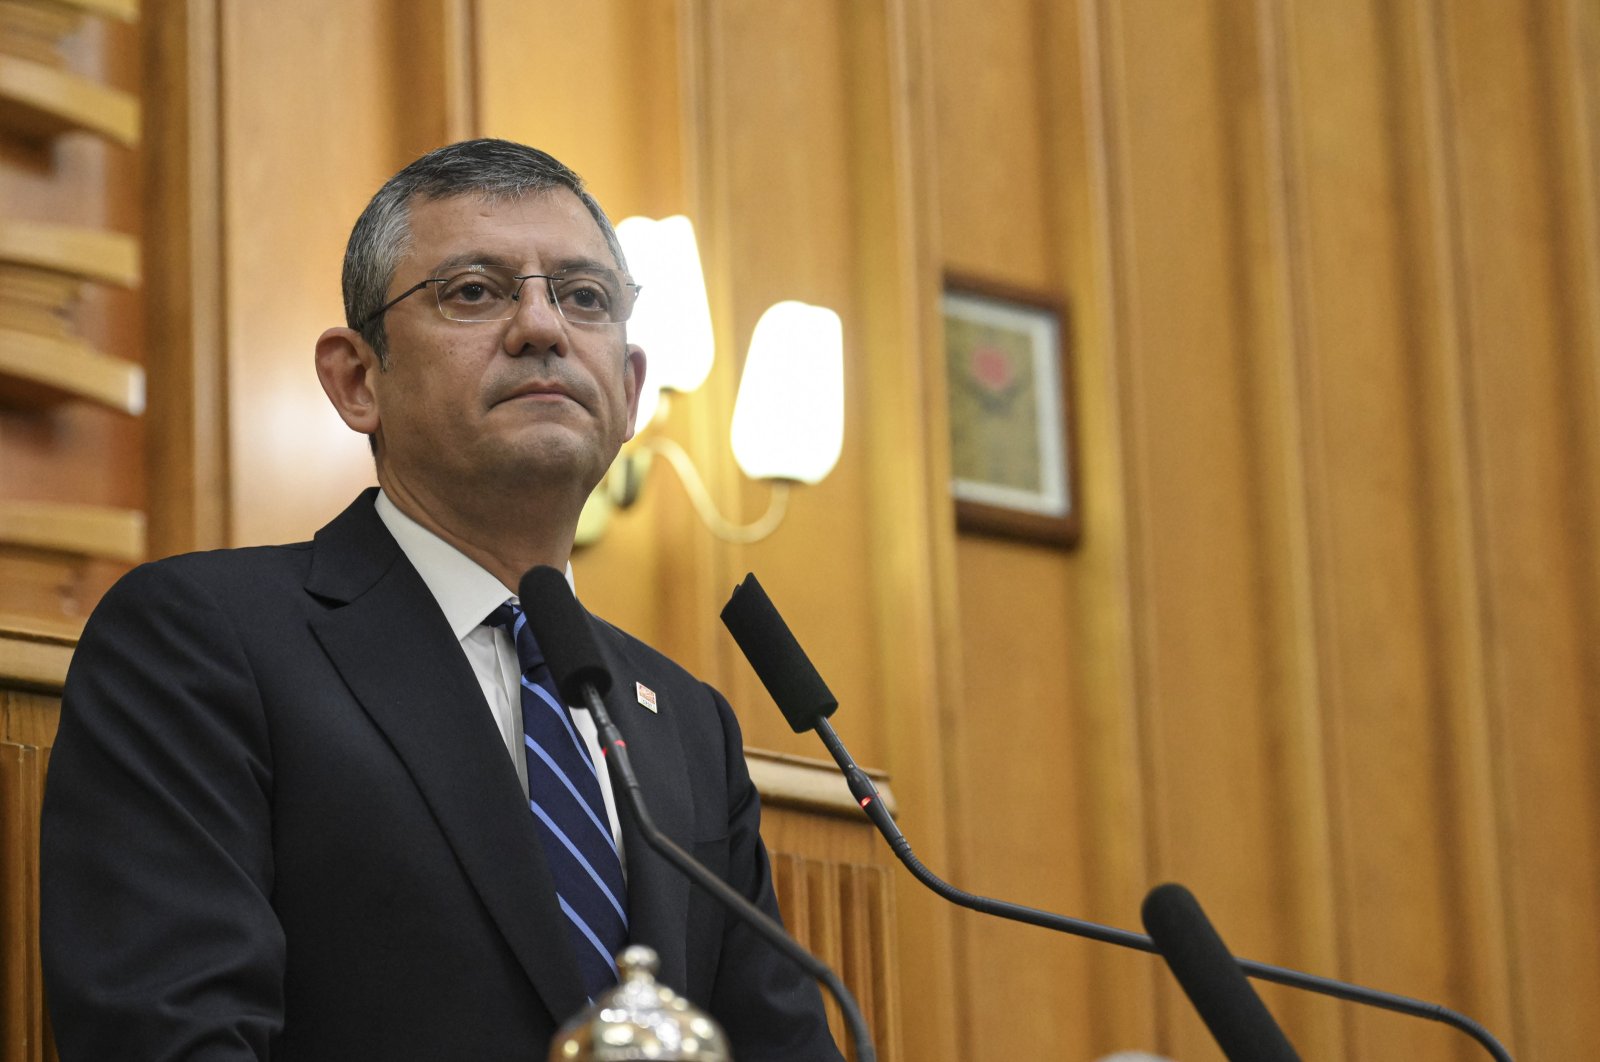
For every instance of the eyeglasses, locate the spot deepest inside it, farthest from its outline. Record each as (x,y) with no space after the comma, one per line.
(584,296)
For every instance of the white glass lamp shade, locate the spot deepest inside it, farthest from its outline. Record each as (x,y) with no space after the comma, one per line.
(788,422)
(672,319)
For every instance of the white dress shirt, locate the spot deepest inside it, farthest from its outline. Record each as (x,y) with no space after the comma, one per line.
(467,593)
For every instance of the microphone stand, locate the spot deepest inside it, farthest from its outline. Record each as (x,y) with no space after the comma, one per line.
(866,795)
(616,753)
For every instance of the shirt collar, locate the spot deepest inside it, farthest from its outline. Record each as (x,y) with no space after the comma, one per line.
(465,590)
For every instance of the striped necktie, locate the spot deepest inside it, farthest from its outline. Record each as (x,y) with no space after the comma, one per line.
(570,813)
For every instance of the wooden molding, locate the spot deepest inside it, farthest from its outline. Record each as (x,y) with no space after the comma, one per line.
(125,10)
(93,254)
(44,101)
(42,371)
(35,652)
(182,197)
(38,301)
(808,784)
(86,530)
(35,31)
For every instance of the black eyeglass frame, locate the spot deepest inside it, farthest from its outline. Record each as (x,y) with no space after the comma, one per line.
(516,296)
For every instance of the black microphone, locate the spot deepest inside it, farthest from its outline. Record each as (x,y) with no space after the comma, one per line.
(759,626)
(562,630)
(1211,978)
(777,658)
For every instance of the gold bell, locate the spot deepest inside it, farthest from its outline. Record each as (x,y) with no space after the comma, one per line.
(640,1019)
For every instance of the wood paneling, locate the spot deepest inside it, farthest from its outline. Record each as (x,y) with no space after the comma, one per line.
(836,886)
(1525,275)
(1337,284)
(40,371)
(22,1033)
(87,530)
(44,102)
(70,205)
(93,254)
(1002,212)
(388,88)
(127,10)
(33,655)
(186,442)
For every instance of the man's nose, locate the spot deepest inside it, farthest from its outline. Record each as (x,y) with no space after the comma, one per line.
(537,324)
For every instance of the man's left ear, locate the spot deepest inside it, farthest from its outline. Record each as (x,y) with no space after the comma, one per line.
(633,385)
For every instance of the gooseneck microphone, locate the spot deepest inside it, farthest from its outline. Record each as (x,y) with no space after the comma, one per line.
(804,699)
(1211,978)
(562,631)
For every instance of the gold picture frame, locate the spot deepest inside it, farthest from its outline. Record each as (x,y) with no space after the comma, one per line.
(1012,462)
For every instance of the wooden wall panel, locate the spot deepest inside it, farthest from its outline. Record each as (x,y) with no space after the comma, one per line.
(290,191)
(23,1035)
(1336,265)
(186,443)
(1211,555)
(1521,182)
(1014,742)
(1389,531)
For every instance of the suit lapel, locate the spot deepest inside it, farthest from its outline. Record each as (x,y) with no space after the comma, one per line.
(392,646)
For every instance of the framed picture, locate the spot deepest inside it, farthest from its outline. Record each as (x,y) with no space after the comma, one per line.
(1011,454)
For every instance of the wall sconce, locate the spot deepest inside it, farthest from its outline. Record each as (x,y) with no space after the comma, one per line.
(788,419)
(672,323)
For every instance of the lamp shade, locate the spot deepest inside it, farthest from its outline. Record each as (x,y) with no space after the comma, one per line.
(788,422)
(672,319)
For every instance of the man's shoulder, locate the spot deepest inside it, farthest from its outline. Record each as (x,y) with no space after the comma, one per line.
(259,569)
(234,567)
(249,584)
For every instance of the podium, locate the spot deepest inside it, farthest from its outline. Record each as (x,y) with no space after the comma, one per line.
(834,878)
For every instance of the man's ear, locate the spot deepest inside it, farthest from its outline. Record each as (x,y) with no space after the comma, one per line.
(345,365)
(633,384)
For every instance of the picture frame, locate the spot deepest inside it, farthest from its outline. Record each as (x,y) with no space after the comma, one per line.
(1012,459)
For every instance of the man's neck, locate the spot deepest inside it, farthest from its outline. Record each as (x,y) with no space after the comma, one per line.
(505,539)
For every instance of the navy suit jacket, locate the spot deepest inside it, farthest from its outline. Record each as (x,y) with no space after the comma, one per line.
(280,822)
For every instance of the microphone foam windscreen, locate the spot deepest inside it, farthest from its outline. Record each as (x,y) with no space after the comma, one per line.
(562,631)
(1210,976)
(776,657)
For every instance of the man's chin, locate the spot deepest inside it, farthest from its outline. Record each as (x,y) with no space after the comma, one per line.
(551,460)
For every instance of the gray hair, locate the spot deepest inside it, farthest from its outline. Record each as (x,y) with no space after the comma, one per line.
(490,169)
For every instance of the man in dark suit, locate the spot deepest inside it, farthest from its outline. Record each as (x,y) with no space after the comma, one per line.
(288,810)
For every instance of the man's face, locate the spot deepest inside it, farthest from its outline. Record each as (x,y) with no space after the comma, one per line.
(533,402)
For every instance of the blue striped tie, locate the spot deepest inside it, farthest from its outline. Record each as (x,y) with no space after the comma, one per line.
(564,793)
